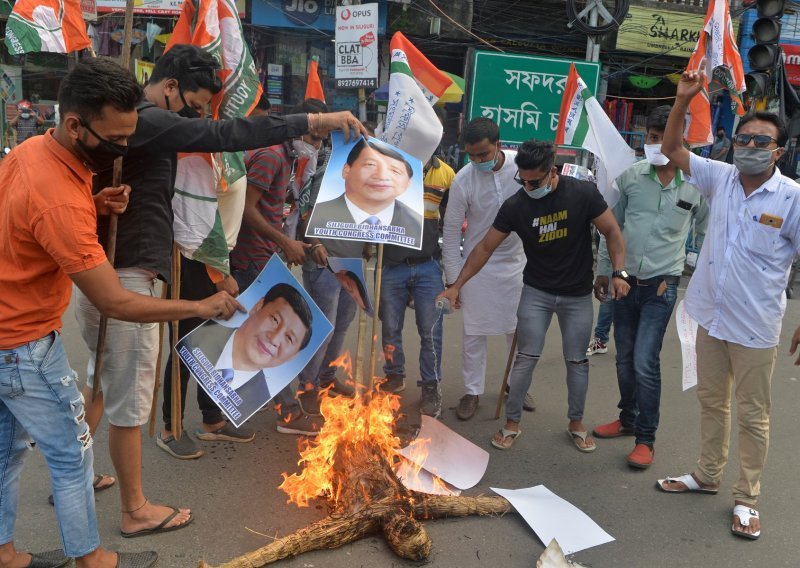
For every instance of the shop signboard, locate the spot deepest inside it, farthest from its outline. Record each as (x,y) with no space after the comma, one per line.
(153,7)
(308,15)
(357,46)
(89,9)
(667,32)
(791,60)
(522,93)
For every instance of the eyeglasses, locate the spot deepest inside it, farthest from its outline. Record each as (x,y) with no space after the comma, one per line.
(532,183)
(760,140)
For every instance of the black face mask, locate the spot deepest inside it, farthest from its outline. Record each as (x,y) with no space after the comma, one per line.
(101,157)
(187,111)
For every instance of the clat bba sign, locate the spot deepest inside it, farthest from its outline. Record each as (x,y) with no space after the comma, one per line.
(357,46)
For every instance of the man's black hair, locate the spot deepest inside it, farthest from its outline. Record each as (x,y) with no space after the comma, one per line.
(95,83)
(783,135)
(536,155)
(263,102)
(298,304)
(192,67)
(657,119)
(481,129)
(381,149)
(308,106)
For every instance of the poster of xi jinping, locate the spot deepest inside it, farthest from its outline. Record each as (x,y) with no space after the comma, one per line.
(372,192)
(243,362)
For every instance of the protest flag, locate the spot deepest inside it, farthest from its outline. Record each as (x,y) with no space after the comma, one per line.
(716,54)
(415,84)
(214,26)
(54,26)
(313,83)
(583,122)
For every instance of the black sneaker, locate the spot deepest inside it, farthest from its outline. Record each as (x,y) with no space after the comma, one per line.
(227,433)
(183,449)
(393,384)
(339,388)
(309,402)
(302,425)
(431,402)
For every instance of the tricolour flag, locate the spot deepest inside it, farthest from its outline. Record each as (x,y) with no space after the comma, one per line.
(415,84)
(313,83)
(583,122)
(717,54)
(214,26)
(55,26)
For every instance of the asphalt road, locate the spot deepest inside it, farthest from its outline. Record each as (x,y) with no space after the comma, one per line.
(238,508)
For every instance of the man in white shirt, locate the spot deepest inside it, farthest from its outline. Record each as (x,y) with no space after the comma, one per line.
(736,295)
(491,298)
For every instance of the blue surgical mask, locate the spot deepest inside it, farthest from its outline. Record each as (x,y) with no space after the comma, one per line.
(539,192)
(486,166)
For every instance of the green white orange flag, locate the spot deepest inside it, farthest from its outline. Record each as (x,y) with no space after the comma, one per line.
(54,26)
(582,122)
(716,53)
(415,84)
(214,26)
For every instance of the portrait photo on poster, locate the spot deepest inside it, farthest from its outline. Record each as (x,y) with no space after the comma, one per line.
(371,192)
(243,362)
(350,274)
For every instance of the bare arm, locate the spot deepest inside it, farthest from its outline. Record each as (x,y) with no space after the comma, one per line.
(691,84)
(102,287)
(608,227)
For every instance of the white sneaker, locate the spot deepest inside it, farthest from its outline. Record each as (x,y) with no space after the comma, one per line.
(596,347)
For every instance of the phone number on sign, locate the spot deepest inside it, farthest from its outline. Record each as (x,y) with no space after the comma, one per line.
(367,83)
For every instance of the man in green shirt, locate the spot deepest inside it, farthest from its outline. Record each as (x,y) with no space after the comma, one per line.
(655,210)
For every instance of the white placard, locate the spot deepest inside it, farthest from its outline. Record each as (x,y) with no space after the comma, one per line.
(687,333)
(551,517)
(418,479)
(357,46)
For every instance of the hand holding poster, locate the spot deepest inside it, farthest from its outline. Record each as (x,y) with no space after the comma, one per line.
(370,192)
(245,361)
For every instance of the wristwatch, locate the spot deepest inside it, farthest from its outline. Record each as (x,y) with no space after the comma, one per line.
(620,274)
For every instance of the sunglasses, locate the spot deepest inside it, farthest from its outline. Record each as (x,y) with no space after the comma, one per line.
(532,183)
(760,140)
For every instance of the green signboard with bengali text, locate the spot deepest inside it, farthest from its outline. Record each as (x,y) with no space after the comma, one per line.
(522,93)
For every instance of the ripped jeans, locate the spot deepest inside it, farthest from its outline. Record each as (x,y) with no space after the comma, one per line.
(40,400)
(536,309)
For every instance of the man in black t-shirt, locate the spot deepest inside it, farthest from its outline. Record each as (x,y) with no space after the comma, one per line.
(552,215)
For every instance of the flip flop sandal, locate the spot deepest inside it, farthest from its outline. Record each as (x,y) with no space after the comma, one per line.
(507,440)
(162,526)
(691,485)
(575,436)
(98,478)
(745,513)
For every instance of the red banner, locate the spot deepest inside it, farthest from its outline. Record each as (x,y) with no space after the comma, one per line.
(791,58)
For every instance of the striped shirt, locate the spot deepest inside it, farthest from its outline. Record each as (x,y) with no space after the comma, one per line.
(269,170)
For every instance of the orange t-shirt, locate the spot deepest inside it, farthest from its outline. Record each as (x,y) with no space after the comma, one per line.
(48,229)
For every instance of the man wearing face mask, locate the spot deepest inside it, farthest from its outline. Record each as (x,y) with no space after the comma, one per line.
(180,88)
(736,295)
(655,210)
(721,147)
(491,298)
(552,215)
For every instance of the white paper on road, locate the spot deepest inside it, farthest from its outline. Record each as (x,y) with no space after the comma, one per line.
(447,455)
(551,517)
(418,479)
(687,333)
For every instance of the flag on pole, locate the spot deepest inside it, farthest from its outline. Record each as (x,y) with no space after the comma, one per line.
(55,26)
(415,84)
(717,54)
(583,122)
(214,26)
(313,84)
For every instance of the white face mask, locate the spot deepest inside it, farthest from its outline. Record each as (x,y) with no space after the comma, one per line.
(653,154)
(303,149)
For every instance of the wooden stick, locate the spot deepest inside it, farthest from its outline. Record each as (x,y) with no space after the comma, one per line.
(359,377)
(175,411)
(511,354)
(373,359)
(157,383)
(111,244)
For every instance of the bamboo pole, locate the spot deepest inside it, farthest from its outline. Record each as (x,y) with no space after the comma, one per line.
(373,359)
(157,383)
(509,362)
(176,420)
(359,378)
(111,243)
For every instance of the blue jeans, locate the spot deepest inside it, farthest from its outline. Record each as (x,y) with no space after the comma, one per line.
(340,309)
(423,282)
(640,321)
(536,309)
(605,316)
(40,400)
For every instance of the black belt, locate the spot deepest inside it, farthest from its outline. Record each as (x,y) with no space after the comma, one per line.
(656,280)
(415,260)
